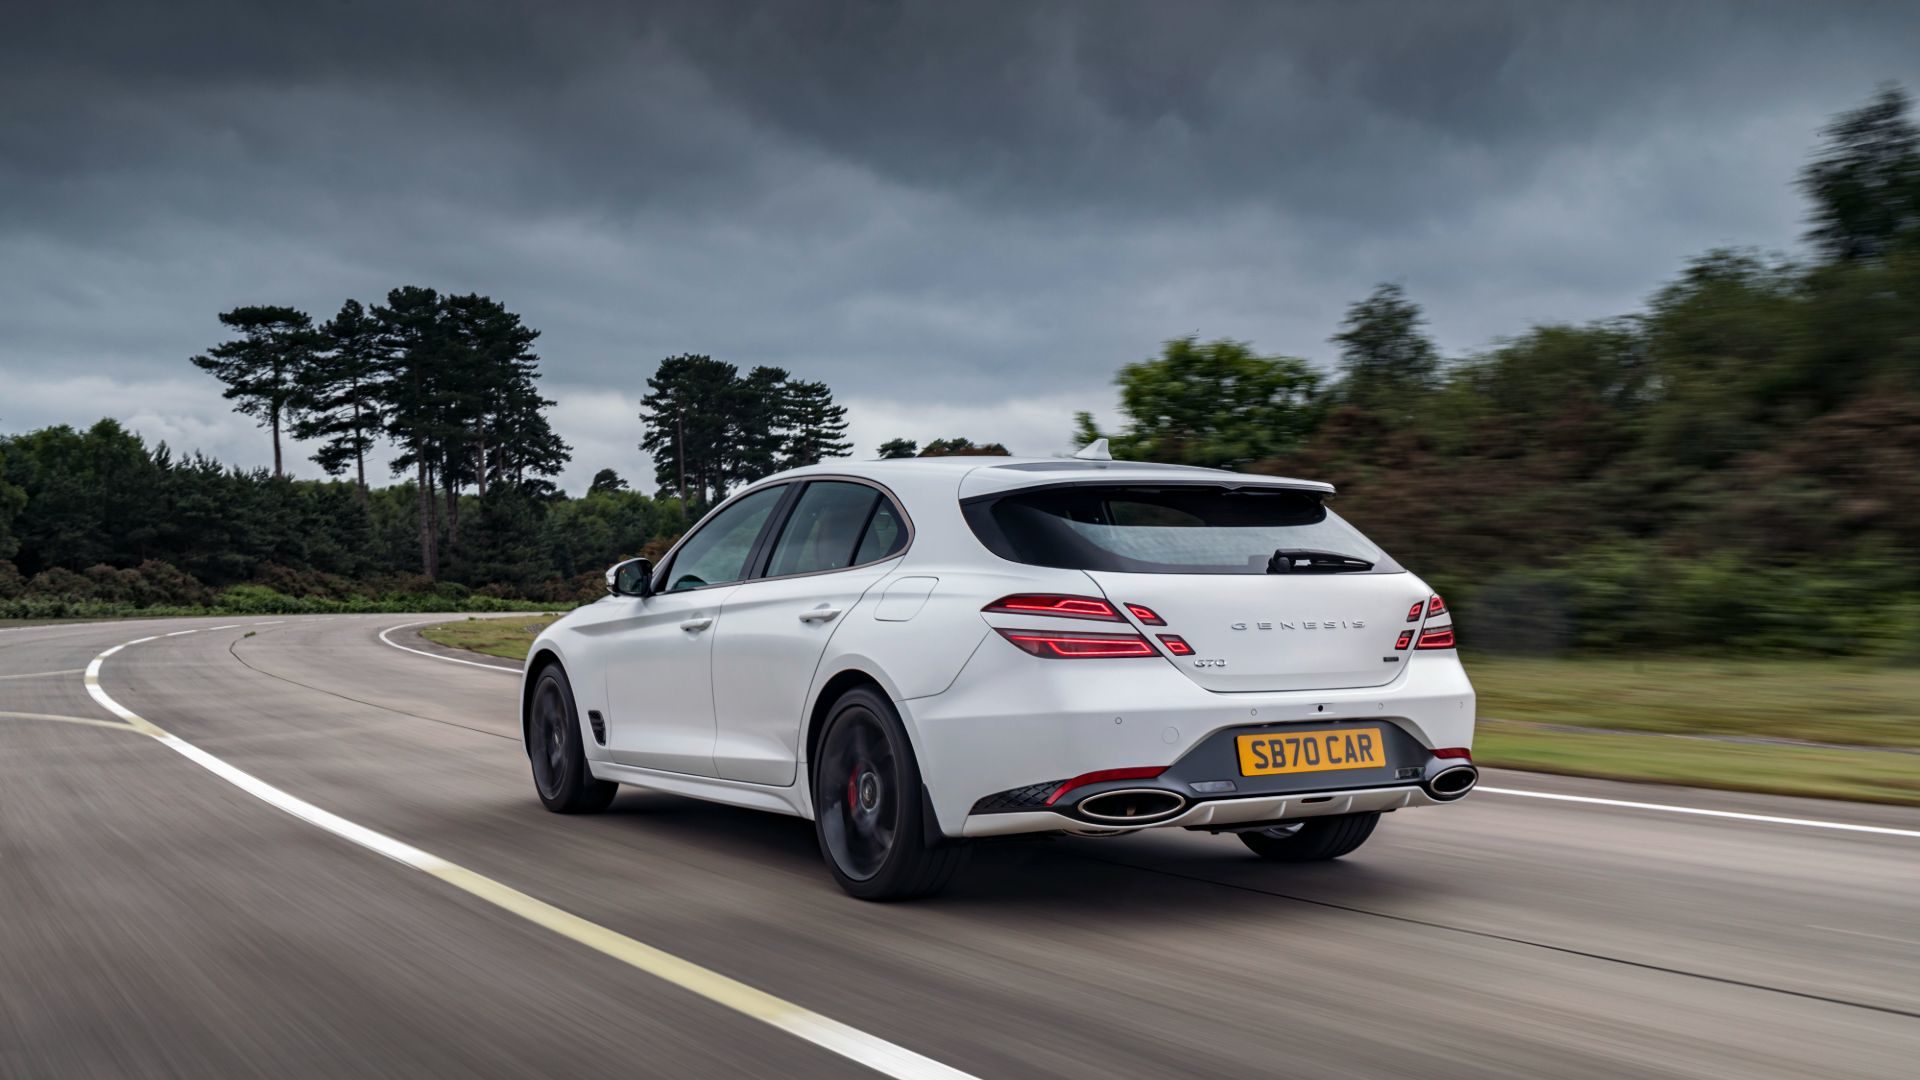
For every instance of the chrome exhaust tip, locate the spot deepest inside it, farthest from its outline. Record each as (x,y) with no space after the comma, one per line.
(1450,784)
(1131,806)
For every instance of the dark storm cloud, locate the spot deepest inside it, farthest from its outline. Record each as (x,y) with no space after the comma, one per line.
(987,205)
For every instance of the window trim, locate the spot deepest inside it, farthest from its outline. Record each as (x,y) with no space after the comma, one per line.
(776,515)
(763,558)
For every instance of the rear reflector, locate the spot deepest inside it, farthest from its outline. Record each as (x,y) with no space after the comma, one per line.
(1061,646)
(1146,615)
(1176,644)
(1146,773)
(1454,752)
(1068,607)
(1436,639)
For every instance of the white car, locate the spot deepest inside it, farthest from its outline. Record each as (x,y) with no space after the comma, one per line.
(921,652)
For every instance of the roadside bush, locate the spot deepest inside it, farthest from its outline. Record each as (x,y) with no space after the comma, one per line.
(162,583)
(115,586)
(59,582)
(12,585)
(291,582)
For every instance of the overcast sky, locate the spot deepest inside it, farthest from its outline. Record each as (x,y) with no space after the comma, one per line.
(962,216)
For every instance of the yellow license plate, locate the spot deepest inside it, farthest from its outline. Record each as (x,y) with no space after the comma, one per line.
(1310,751)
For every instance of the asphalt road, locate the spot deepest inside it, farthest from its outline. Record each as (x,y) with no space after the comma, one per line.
(156,919)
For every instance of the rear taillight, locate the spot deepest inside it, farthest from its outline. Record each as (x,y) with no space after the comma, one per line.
(1176,644)
(1066,607)
(1436,606)
(1146,615)
(1406,639)
(1413,613)
(1056,645)
(1441,638)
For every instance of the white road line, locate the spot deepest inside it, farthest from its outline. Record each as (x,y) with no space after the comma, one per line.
(1766,819)
(851,1043)
(42,674)
(437,656)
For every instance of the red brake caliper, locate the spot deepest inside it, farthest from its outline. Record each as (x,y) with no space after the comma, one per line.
(853,780)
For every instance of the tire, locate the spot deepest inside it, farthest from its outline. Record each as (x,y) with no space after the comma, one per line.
(1316,840)
(868,810)
(554,749)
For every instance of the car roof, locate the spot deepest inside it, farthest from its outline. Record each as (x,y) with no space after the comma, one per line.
(968,476)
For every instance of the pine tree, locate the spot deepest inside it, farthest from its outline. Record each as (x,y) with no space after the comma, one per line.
(262,367)
(757,423)
(687,427)
(412,377)
(816,428)
(898,448)
(337,392)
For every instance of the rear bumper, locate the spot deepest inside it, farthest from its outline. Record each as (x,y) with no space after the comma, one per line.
(1214,813)
(1014,720)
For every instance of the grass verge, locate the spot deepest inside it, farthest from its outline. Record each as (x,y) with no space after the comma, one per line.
(1885,776)
(509,637)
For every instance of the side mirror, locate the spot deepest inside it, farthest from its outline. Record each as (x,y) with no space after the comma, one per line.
(631,578)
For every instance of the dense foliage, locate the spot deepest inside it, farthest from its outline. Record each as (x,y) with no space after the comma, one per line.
(1737,467)
(96,522)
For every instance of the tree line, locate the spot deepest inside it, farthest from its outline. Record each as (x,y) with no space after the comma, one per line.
(449,381)
(1735,468)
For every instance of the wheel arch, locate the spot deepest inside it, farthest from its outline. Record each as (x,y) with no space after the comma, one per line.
(541,658)
(831,691)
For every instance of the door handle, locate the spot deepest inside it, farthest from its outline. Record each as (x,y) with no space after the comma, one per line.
(698,623)
(820,614)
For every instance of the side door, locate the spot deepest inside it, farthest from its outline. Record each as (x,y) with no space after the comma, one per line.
(659,654)
(840,538)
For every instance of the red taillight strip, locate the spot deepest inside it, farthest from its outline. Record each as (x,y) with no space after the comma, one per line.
(1176,644)
(1406,639)
(1413,613)
(1066,607)
(1057,646)
(1438,638)
(1146,615)
(1436,606)
(1143,773)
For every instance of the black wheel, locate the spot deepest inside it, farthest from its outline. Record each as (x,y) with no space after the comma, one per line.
(1313,840)
(553,743)
(867,808)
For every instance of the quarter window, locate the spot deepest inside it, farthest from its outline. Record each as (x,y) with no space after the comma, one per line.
(825,529)
(885,536)
(717,552)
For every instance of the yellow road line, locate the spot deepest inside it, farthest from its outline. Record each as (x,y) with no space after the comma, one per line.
(849,1042)
(42,674)
(87,720)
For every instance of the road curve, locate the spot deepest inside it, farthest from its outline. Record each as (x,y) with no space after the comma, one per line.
(157,920)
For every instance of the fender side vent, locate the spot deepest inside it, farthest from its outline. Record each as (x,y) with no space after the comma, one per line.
(598,725)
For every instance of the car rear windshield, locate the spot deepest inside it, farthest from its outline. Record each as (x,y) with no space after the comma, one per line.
(1189,529)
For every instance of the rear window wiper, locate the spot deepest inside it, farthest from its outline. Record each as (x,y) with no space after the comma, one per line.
(1304,561)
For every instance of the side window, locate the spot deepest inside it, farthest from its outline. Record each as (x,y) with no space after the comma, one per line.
(717,552)
(824,528)
(886,535)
